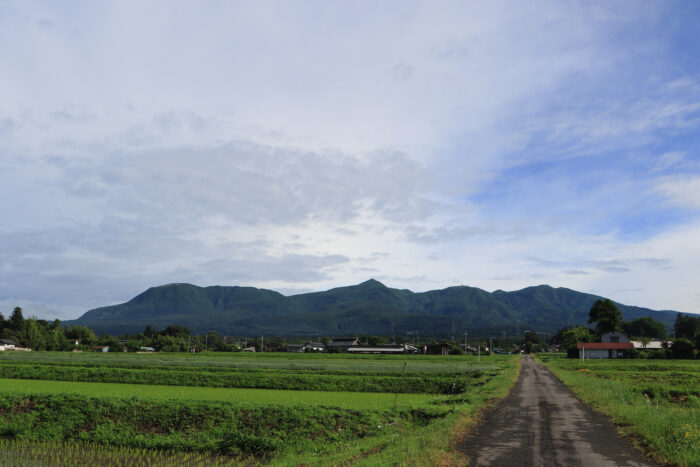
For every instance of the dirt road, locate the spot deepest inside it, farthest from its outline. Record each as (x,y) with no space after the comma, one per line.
(542,423)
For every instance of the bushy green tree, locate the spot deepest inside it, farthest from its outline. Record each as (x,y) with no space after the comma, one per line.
(645,327)
(531,338)
(84,334)
(682,348)
(568,338)
(607,316)
(33,337)
(686,326)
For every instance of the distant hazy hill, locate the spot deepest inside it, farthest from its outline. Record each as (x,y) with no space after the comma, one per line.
(366,308)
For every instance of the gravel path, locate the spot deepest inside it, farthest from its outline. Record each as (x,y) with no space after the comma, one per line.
(542,423)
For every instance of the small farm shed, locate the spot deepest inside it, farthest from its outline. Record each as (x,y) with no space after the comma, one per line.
(295,348)
(436,349)
(603,349)
(102,348)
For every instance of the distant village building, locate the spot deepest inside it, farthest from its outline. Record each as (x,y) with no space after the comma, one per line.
(146,349)
(308,347)
(314,347)
(382,349)
(102,348)
(7,344)
(248,349)
(436,349)
(342,344)
(273,347)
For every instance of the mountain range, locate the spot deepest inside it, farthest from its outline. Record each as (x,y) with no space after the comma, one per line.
(368,308)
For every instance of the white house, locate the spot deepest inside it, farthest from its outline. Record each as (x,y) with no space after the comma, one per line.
(603,349)
(7,344)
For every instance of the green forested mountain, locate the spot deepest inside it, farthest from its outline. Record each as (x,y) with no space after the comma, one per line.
(366,308)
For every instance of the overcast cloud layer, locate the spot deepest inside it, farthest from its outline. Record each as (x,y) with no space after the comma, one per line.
(301,146)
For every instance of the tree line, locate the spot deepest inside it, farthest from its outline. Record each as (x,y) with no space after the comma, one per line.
(39,334)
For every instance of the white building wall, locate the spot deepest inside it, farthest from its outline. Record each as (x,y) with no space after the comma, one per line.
(594,353)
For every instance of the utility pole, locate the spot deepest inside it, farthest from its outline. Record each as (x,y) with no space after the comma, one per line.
(490,344)
(262,343)
(466,347)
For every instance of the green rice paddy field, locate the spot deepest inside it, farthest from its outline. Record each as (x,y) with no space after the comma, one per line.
(209,409)
(655,402)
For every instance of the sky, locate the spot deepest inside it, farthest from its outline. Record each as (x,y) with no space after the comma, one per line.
(305,145)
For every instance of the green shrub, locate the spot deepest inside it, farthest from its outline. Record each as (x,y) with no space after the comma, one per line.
(682,348)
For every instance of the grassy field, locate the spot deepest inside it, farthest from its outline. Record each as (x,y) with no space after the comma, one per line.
(49,417)
(655,402)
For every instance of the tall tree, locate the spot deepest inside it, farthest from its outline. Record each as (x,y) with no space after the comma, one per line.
(606,314)
(16,319)
(686,326)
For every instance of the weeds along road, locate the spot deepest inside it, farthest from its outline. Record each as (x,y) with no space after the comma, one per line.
(542,423)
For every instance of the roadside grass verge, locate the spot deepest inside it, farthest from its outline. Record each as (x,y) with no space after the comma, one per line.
(662,416)
(431,444)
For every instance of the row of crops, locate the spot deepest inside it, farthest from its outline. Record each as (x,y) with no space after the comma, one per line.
(657,401)
(238,409)
(260,378)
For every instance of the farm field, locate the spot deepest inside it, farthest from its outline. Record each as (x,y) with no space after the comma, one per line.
(426,375)
(655,402)
(289,361)
(83,404)
(237,396)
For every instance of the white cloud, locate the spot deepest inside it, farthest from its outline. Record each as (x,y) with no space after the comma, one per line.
(683,191)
